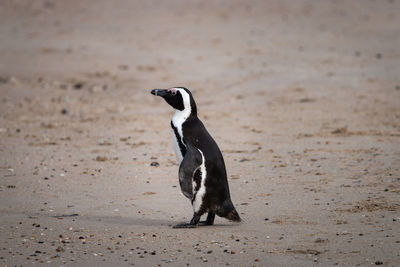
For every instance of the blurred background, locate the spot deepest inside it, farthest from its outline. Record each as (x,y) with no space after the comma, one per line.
(220,44)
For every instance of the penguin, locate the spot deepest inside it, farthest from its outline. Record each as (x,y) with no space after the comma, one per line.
(202,173)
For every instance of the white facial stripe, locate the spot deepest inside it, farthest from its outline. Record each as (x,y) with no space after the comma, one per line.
(202,190)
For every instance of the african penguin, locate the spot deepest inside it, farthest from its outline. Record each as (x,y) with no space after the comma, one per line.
(202,173)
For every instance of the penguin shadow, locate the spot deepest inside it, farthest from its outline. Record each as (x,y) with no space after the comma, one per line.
(215,225)
(147,222)
(116,220)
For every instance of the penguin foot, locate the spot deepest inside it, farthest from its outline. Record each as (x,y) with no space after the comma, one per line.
(184,225)
(210,219)
(205,223)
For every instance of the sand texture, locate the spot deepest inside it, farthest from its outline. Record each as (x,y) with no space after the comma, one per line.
(302,97)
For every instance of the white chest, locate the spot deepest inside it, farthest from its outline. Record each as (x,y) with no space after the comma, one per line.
(179,118)
(177,149)
(177,121)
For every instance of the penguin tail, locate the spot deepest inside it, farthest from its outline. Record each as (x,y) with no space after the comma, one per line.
(233,215)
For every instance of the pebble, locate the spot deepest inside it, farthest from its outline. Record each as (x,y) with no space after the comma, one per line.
(155,164)
(3,79)
(78,86)
(101,158)
(64,111)
(123,67)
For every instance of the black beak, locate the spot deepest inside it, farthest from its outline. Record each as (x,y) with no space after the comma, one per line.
(159,92)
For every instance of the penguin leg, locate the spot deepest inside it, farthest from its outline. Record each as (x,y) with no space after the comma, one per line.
(209,220)
(192,224)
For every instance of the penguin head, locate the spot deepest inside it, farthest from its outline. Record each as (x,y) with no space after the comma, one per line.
(179,98)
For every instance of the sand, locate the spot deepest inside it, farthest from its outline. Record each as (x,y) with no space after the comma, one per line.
(302,97)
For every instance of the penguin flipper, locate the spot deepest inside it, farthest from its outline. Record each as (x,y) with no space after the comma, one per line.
(189,165)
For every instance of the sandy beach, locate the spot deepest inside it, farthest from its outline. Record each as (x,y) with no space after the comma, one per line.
(302,97)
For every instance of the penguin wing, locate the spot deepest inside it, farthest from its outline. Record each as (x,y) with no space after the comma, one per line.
(187,170)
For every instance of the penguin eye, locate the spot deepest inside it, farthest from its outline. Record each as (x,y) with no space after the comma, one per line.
(173,92)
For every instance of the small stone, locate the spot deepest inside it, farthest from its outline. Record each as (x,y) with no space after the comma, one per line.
(13,80)
(78,86)
(123,67)
(340,131)
(64,111)
(155,164)
(101,158)
(378,263)
(3,79)
(378,56)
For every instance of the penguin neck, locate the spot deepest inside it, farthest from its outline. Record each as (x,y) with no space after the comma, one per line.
(180,116)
